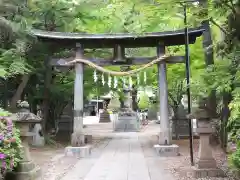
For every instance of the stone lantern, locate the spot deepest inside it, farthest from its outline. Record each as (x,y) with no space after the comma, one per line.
(205,163)
(26,169)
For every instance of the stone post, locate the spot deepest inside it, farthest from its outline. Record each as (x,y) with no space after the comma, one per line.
(165,136)
(78,134)
(205,163)
(165,147)
(78,147)
(127,100)
(165,133)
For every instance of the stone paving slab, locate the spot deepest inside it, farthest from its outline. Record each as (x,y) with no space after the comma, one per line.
(83,166)
(123,158)
(138,169)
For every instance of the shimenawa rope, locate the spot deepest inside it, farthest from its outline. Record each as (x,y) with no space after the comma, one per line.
(117,73)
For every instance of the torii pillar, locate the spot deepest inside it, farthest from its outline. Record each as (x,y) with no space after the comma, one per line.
(78,148)
(164,146)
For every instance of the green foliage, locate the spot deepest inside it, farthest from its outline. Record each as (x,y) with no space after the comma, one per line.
(207,79)
(234,121)
(143,101)
(223,76)
(10,143)
(15,63)
(235,158)
(2,72)
(114,103)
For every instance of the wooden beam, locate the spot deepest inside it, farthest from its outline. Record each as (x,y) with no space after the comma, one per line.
(112,62)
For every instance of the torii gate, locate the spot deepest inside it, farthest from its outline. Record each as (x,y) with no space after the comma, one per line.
(118,42)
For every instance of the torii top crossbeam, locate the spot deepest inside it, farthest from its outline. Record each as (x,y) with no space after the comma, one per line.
(127,40)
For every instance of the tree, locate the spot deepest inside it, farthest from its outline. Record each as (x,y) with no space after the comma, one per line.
(143,101)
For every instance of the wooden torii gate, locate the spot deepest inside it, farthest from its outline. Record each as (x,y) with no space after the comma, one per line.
(118,42)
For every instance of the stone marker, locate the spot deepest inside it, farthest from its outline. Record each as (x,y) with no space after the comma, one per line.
(205,163)
(38,138)
(167,150)
(82,152)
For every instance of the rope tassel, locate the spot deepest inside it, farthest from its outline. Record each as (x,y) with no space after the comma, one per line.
(145,77)
(130,81)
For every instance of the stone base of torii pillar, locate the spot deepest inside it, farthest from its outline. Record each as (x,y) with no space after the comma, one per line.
(79,150)
(164,146)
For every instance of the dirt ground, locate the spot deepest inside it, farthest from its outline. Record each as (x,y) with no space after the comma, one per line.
(43,154)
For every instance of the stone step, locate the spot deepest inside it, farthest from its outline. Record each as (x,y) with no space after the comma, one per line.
(104,117)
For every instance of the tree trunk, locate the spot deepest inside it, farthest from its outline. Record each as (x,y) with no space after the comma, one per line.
(121,102)
(227,97)
(19,91)
(46,103)
(175,111)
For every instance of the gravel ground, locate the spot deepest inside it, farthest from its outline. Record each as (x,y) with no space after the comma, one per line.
(180,166)
(55,166)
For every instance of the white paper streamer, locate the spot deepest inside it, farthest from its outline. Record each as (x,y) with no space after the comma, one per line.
(124,82)
(109,81)
(95,77)
(115,82)
(138,79)
(130,81)
(145,77)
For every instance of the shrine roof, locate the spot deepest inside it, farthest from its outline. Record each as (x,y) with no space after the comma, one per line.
(168,38)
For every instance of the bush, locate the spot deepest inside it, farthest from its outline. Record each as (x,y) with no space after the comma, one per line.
(144,101)
(10,143)
(235,158)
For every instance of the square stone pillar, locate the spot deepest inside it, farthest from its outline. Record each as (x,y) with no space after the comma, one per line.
(205,158)
(78,134)
(78,148)
(165,137)
(165,146)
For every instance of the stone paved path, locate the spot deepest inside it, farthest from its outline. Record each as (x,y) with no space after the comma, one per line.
(125,157)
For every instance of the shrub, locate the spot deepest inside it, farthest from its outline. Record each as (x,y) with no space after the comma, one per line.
(235,158)
(144,101)
(10,143)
